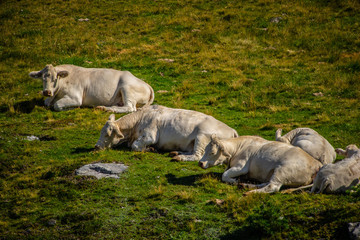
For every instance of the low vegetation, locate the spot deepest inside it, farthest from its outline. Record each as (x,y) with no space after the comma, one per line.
(255,65)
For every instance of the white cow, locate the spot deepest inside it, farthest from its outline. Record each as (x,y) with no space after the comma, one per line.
(311,142)
(340,176)
(273,163)
(69,86)
(166,129)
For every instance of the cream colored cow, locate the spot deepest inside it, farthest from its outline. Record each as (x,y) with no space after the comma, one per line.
(164,128)
(340,176)
(69,86)
(273,163)
(311,142)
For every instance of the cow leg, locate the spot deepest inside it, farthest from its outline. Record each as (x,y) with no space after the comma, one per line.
(48,101)
(233,172)
(117,109)
(66,103)
(268,188)
(199,148)
(148,138)
(127,98)
(252,186)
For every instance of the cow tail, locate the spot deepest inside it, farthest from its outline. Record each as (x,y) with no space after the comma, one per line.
(235,134)
(152,97)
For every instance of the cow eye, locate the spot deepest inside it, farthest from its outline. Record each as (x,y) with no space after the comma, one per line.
(213,150)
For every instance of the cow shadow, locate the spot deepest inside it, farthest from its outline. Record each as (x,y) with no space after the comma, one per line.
(82,150)
(24,106)
(189,180)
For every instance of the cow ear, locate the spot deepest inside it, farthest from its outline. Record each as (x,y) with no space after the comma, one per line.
(36,74)
(340,151)
(278,134)
(112,118)
(63,74)
(117,131)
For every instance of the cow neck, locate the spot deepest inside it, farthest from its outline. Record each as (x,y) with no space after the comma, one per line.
(231,148)
(128,122)
(292,134)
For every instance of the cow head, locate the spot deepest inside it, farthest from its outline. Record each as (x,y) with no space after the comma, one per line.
(50,78)
(350,151)
(215,154)
(110,135)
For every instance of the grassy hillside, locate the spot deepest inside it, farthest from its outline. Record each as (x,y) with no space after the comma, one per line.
(255,65)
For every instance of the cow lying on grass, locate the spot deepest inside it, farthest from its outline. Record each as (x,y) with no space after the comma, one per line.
(311,142)
(273,163)
(340,176)
(166,129)
(69,86)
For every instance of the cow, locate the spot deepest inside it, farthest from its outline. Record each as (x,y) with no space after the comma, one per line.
(311,142)
(272,163)
(340,176)
(68,86)
(184,132)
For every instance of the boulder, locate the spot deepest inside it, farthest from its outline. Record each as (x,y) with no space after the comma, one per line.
(354,230)
(102,170)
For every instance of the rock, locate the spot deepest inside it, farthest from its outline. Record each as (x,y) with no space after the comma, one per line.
(354,230)
(102,170)
(318,94)
(166,60)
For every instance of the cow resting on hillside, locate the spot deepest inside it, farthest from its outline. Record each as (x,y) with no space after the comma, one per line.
(166,129)
(340,176)
(311,142)
(69,86)
(273,163)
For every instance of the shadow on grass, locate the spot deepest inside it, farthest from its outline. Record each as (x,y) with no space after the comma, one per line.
(82,150)
(189,180)
(24,106)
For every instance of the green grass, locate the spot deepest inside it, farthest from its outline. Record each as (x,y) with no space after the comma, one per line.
(231,60)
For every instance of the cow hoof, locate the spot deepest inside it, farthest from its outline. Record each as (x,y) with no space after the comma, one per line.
(173,154)
(100,108)
(151,149)
(176,159)
(247,193)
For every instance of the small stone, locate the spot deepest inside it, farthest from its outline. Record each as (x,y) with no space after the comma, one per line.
(276,19)
(32,138)
(162,91)
(169,60)
(51,222)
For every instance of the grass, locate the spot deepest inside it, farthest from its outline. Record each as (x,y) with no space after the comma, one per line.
(254,65)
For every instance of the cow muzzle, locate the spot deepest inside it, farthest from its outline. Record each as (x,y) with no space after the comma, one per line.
(202,165)
(98,147)
(47,93)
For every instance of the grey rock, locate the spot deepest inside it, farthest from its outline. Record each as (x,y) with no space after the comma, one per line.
(102,170)
(354,230)
(51,222)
